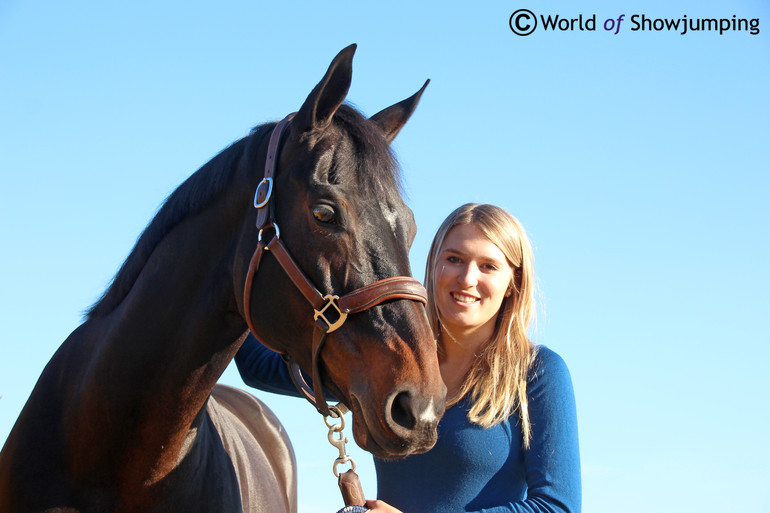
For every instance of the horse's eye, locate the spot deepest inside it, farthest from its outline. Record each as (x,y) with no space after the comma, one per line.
(325,214)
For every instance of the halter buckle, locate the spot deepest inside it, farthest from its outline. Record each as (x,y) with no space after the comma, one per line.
(341,316)
(268,182)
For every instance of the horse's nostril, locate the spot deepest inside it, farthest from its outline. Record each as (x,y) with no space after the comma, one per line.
(402,410)
(412,419)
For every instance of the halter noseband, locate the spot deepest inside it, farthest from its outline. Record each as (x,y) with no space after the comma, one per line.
(330,311)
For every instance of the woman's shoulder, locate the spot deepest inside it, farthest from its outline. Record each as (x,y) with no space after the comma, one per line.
(549,366)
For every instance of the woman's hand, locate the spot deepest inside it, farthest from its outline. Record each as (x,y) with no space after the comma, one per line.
(381,507)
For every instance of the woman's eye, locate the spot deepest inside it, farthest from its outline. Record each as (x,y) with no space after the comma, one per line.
(324,214)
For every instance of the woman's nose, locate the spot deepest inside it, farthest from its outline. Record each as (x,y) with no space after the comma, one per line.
(468,275)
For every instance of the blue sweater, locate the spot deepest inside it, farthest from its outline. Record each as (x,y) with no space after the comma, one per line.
(471,468)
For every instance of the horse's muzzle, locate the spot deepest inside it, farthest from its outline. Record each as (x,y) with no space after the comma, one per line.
(406,425)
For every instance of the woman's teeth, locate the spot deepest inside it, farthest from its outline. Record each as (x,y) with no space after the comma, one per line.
(462,298)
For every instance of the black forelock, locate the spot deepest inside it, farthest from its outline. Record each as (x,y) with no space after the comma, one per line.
(372,152)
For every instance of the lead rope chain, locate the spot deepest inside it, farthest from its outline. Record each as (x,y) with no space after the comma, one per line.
(340,442)
(350,485)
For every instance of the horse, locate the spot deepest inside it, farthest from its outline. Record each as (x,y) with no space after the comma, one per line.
(127,416)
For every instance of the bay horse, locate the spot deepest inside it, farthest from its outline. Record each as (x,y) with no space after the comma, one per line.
(126,416)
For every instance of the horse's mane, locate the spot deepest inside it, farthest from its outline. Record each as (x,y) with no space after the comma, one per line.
(382,174)
(189,198)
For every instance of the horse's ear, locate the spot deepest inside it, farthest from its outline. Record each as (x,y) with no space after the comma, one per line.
(391,120)
(328,95)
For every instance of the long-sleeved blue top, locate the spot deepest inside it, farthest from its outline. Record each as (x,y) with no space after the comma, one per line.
(473,469)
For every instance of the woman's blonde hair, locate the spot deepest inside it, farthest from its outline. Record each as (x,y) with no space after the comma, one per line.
(497,381)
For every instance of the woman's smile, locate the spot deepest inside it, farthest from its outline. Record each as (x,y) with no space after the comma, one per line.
(464,298)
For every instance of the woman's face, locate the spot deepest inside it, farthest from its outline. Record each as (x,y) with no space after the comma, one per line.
(471,279)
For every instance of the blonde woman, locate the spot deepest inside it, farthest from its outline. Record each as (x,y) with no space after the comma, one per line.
(508,440)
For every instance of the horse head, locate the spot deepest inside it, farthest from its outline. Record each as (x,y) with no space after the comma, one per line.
(335,200)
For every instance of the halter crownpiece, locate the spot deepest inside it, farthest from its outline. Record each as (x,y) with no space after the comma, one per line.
(330,311)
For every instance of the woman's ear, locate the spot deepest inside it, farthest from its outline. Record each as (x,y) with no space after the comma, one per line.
(515,282)
(515,285)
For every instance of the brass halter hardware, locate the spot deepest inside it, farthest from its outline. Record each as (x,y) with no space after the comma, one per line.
(341,316)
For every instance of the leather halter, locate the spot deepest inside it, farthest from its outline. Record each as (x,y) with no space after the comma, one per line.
(330,311)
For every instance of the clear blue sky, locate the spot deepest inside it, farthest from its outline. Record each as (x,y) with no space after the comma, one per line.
(638,162)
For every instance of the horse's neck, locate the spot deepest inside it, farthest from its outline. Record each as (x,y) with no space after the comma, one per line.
(159,353)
